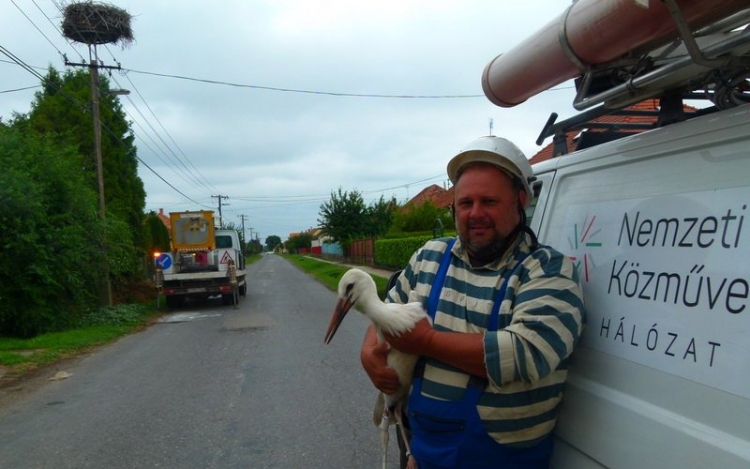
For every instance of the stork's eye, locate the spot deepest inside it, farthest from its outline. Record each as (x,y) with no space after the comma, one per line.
(349,288)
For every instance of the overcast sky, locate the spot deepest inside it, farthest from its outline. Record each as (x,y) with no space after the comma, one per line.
(277,145)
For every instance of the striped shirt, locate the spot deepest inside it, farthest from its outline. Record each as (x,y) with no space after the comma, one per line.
(541,318)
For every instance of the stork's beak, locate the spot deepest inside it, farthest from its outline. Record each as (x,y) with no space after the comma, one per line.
(342,307)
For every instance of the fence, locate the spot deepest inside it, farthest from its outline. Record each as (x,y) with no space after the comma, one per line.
(361,251)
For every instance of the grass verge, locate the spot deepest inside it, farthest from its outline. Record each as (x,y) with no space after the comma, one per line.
(328,273)
(21,356)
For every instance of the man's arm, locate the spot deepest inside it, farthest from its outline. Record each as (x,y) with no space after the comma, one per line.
(464,351)
(545,328)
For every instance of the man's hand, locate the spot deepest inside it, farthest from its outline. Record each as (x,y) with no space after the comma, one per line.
(462,350)
(416,341)
(374,357)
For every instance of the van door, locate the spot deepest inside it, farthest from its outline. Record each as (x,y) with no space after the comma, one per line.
(657,225)
(541,188)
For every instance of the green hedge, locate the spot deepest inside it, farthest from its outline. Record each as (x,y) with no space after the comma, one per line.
(395,253)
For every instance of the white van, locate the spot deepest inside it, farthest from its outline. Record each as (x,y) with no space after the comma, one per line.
(659,226)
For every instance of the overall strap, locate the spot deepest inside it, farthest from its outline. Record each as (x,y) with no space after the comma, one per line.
(495,314)
(437,284)
(476,385)
(437,287)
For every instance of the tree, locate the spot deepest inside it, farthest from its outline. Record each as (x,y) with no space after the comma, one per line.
(346,217)
(253,247)
(421,218)
(51,252)
(380,216)
(302,240)
(157,235)
(272,241)
(62,110)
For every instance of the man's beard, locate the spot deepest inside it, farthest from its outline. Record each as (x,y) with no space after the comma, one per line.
(491,251)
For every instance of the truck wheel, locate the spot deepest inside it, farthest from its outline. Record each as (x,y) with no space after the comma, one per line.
(227,299)
(243,290)
(175,301)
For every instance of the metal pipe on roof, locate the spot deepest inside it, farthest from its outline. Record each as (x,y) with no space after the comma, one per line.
(591,33)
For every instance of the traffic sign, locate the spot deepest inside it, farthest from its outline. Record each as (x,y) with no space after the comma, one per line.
(164,261)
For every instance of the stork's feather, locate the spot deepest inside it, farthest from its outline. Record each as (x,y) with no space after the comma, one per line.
(358,288)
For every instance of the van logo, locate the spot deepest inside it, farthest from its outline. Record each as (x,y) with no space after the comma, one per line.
(584,236)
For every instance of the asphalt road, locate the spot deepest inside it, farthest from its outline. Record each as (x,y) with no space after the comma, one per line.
(209,387)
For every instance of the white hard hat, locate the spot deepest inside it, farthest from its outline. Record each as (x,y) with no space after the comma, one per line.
(499,152)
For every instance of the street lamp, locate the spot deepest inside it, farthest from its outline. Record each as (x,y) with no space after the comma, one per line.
(117,92)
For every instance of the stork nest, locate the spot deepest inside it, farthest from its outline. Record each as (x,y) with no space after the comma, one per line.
(97,23)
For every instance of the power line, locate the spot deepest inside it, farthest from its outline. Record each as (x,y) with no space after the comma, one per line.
(35,26)
(85,109)
(174,162)
(42,78)
(20,89)
(292,90)
(205,182)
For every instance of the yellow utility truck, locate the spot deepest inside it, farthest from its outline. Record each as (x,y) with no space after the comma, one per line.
(205,261)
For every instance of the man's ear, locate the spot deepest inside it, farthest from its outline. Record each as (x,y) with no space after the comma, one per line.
(522,198)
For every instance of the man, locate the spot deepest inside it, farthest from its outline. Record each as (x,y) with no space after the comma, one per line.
(507,314)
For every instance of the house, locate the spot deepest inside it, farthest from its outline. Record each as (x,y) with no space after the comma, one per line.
(633,119)
(165,219)
(438,196)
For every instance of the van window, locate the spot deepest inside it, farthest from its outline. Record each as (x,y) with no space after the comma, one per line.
(536,189)
(223,242)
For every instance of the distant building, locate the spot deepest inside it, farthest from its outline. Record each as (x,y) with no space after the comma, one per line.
(165,219)
(438,196)
(625,122)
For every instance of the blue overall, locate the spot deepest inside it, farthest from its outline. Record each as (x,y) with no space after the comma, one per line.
(450,434)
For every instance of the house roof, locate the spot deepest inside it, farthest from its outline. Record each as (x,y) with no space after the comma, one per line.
(571,138)
(165,219)
(314,232)
(435,194)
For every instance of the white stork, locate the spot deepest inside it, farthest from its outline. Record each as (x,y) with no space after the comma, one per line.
(357,287)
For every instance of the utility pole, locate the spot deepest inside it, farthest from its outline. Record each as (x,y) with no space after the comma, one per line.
(94,66)
(95,24)
(220,197)
(94,73)
(243,218)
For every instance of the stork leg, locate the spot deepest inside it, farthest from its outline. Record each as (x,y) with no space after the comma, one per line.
(398,413)
(384,436)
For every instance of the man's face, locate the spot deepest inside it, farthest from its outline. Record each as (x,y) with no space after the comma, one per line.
(486,210)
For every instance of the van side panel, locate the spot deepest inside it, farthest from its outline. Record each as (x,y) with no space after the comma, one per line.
(658,225)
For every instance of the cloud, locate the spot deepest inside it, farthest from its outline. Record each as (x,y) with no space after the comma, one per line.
(279,154)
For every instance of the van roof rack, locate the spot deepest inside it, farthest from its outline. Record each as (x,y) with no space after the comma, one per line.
(712,63)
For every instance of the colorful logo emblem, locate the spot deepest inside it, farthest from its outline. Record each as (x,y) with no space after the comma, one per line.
(584,236)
